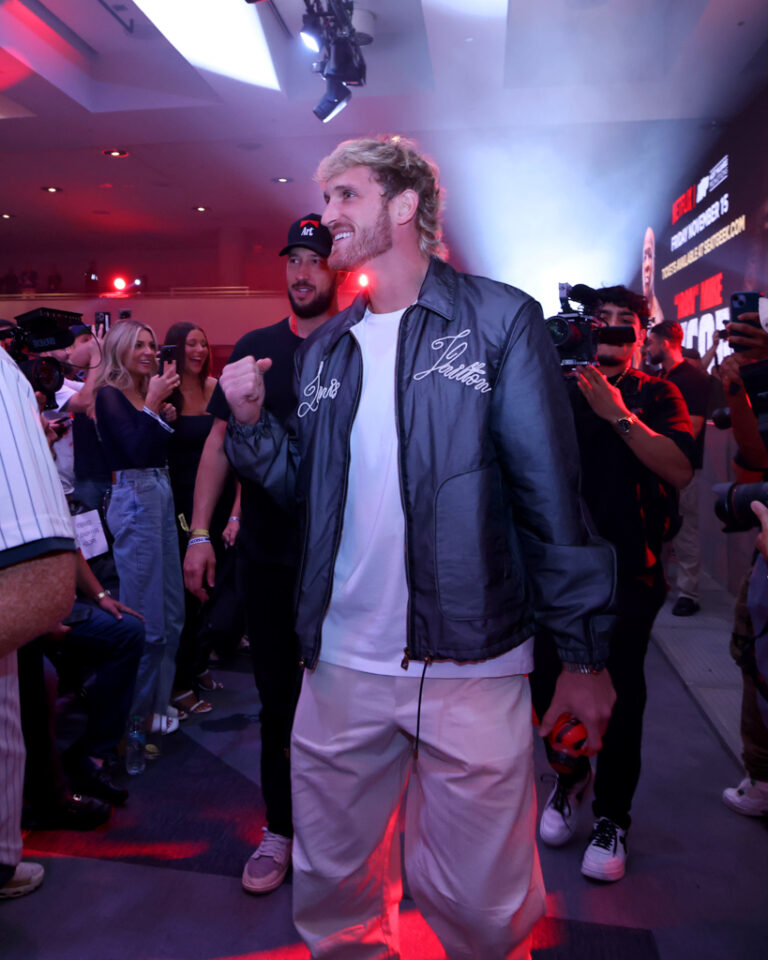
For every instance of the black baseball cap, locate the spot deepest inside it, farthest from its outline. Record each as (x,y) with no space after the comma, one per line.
(310,233)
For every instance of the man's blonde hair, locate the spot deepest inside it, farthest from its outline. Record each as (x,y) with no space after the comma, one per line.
(396,164)
(118,345)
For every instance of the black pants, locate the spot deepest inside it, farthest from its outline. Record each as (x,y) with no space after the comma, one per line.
(619,762)
(268,593)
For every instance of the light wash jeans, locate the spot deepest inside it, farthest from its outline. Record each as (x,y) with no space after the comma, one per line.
(146,551)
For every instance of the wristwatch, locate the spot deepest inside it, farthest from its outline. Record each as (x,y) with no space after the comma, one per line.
(584,668)
(624,424)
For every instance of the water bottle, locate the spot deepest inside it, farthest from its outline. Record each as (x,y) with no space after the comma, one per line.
(135,742)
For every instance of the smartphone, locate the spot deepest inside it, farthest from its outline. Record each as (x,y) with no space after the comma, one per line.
(103,317)
(167,354)
(746,301)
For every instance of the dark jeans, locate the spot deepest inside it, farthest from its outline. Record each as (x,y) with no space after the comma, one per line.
(268,592)
(44,782)
(619,762)
(108,651)
(102,653)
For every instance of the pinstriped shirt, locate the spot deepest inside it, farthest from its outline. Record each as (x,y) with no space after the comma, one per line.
(34,518)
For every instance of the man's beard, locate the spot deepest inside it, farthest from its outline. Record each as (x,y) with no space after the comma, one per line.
(363,245)
(656,359)
(320,303)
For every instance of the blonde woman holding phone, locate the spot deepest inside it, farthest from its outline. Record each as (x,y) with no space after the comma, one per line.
(132,417)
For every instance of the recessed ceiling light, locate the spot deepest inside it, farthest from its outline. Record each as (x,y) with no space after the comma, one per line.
(282,179)
(51,189)
(202,209)
(6,216)
(115,152)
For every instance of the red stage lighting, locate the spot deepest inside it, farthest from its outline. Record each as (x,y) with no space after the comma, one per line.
(363,280)
(119,283)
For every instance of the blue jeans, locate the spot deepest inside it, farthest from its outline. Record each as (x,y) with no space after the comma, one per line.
(146,551)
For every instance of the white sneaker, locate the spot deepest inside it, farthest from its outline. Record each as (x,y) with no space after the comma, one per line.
(26,878)
(268,864)
(606,855)
(560,813)
(749,798)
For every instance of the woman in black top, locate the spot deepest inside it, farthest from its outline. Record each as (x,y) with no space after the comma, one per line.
(131,415)
(192,426)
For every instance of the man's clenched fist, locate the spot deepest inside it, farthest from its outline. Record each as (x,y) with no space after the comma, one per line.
(243,386)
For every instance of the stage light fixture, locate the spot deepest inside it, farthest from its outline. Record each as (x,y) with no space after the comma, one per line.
(120,283)
(312,32)
(337,96)
(329,30)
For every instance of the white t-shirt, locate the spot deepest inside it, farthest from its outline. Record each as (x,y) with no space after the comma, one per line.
(365,626)
(63,449)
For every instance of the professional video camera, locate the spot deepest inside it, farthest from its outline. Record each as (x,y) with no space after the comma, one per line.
(40,331)
(577,333)
(733,499)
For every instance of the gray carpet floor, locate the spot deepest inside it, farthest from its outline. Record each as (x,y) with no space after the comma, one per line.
(161,880)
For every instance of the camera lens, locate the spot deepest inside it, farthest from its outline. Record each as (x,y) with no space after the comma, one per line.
(732,505)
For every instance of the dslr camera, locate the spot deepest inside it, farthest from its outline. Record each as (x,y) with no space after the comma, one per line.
(40,331)
(733,499)
(577,333)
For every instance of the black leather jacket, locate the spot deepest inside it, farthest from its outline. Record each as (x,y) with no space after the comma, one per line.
(496,541)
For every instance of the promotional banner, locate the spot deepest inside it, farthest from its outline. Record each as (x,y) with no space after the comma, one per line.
(715,241)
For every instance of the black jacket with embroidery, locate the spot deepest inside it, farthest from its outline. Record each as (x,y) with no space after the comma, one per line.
(496,541)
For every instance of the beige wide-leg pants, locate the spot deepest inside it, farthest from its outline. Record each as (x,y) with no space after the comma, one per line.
(469,814)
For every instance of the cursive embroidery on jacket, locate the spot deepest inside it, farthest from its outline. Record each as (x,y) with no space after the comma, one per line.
(315,392)
(470,374)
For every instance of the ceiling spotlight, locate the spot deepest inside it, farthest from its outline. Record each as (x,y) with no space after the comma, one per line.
(312,31)
(282,179)
(51,189)
(6,216)
(329,28)
(346,62)
(337,96)
(202,209)
(116,153)
(119,283)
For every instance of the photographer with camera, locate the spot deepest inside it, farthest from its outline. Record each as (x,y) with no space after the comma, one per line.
(636,446)
(737,508)
(664,346)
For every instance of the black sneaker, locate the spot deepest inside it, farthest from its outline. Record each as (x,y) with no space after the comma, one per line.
(97,783)
(685,607)
(77,813)
(606,855)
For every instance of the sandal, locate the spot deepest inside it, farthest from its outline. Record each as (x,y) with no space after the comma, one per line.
(189,703)
(163,724)
(207,682)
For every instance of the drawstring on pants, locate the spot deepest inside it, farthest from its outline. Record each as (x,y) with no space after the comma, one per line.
(418,709)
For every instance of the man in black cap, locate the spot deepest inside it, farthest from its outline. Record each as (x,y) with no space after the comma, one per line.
(269,540)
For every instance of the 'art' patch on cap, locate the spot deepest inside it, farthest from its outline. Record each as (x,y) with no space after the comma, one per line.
(309,232)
